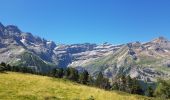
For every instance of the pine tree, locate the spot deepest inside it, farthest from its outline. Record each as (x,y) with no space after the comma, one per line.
(67,73)
(52,72)
(122,82)
(2,68)
(102,82)
(136,89)
(163,89)
(83,77)
(16,69)
(73,74)
(115,86)
(149,91)
(91,81)
(61,72)
(106,84)
(3,64)
(99,80)
(129,84)
(8,67)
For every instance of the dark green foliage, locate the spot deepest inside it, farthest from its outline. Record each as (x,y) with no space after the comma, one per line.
(102,82)
(83,77)
(163,89)
(7,67)
(26,70)
(71,74)
(52,73)
(58,73)
(15,68)
(99,80)
(115,86)
(91,81)
(66,72)
(136,88)
(3,64)
(149,92)
(106,84)
(122,83)
(2,67)
(74,75)
(129,84)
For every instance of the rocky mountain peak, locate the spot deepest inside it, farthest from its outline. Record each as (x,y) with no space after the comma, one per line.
(160,40)
(13,29)
(26,35)
(51,44)
(1,27)
(129,45)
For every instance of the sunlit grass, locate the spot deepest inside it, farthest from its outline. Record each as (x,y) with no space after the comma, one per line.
(17,86)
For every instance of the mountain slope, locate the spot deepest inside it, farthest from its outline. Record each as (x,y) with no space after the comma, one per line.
(145,61)
(14,43)
(26,87)
(15,46)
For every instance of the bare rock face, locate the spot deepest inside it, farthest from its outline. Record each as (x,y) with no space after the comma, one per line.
(12,29)
(14,44)
(160,40)
(1,27)
(145,61)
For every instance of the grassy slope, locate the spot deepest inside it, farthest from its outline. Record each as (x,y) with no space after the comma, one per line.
(17,86)
(29,59)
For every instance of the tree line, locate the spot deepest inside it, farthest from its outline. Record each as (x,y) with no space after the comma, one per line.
(121,83)
(127,84)
(8,67)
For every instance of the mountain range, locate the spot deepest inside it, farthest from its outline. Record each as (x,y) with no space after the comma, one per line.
(145,61)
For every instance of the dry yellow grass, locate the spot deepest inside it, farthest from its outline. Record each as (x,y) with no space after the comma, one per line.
(17,86)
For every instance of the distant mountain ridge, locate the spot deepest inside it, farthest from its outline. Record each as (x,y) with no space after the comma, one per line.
(145,61)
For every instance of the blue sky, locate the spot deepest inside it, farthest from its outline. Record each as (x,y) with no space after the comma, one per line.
(94,21)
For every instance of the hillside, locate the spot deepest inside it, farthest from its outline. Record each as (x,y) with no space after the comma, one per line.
(144,61)
(14,86)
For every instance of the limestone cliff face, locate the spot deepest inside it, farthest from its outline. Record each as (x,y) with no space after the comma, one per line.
(146,61)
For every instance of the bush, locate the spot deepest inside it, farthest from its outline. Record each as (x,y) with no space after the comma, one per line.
(102,82)
(163,89)
(149,91)
(83,77)
(2,68)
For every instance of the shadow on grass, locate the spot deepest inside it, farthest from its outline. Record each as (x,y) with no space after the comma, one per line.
(3,72)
